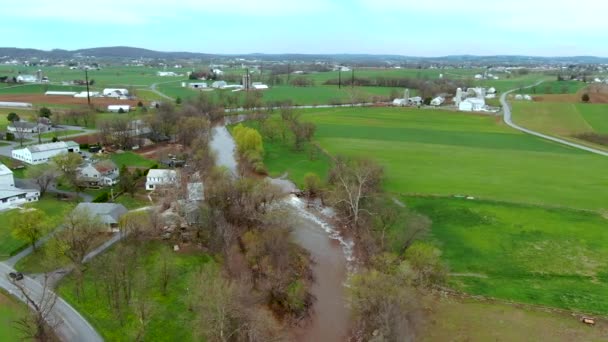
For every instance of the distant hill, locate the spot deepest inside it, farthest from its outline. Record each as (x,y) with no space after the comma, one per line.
(116,52)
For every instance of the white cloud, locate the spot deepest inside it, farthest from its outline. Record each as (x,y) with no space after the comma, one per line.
(147,11)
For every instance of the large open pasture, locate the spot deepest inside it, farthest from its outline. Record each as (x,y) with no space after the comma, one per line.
(447,153)
(551,257)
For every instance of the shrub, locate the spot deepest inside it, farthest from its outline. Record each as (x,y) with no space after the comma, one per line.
(585,98)
(84,146)
(101,198)
(10,136)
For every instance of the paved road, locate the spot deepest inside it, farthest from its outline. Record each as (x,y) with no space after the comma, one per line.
(72,326)
(509,121)
(157,92)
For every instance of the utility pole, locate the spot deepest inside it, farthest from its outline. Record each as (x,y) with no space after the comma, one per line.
(86,77)
(340,78)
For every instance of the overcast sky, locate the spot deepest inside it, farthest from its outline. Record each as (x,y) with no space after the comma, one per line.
(404,27)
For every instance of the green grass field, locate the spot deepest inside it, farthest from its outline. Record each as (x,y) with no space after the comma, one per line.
(170,318)
(9,245)
(563,119)
(114,76)
(59,134)
(446,153)
(131,159)
(552,257)
(10,311)
(555,87)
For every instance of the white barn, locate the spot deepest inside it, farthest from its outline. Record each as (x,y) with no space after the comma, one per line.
(11,196)
(115,92)
(27,79)
(160,177)
(40,154)
(117,108)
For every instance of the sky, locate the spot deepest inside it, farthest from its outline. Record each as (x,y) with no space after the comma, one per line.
(402,27)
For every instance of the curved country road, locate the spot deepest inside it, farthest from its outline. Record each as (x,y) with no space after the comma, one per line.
(508,121)
(72,326)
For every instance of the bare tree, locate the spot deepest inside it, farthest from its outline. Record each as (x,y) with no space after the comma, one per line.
(43,175)
(354,182)
(77,239)
(38,324)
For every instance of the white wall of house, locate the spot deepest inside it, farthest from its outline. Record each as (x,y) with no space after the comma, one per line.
(160,177)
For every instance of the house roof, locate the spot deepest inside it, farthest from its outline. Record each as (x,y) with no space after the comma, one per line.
(4,170)
(161,173)
(108,213)
(52,146)
(23,124)
(104,166)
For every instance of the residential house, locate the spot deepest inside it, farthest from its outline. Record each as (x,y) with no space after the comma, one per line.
(116,93)
(108,213)
(24,127)
(102,173)
(40,154)
(158,177)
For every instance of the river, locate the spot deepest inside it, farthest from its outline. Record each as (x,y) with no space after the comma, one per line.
(331,253)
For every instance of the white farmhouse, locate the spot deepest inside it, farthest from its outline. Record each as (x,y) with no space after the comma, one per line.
(40,154)
(24,127)
(116,92)
(10,196)
(103,173)
(117,108)
(472,104)
(27,79)
(158,177)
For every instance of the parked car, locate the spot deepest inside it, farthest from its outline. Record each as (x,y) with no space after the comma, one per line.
(15,276)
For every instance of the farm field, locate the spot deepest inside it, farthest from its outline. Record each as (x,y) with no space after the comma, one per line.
(467,320)
(551,257)
(113,76)
(555,87)
(475,155)
(170,319)
(314,95)
(566,120)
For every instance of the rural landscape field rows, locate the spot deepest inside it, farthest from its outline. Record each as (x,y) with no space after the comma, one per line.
(334,187)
